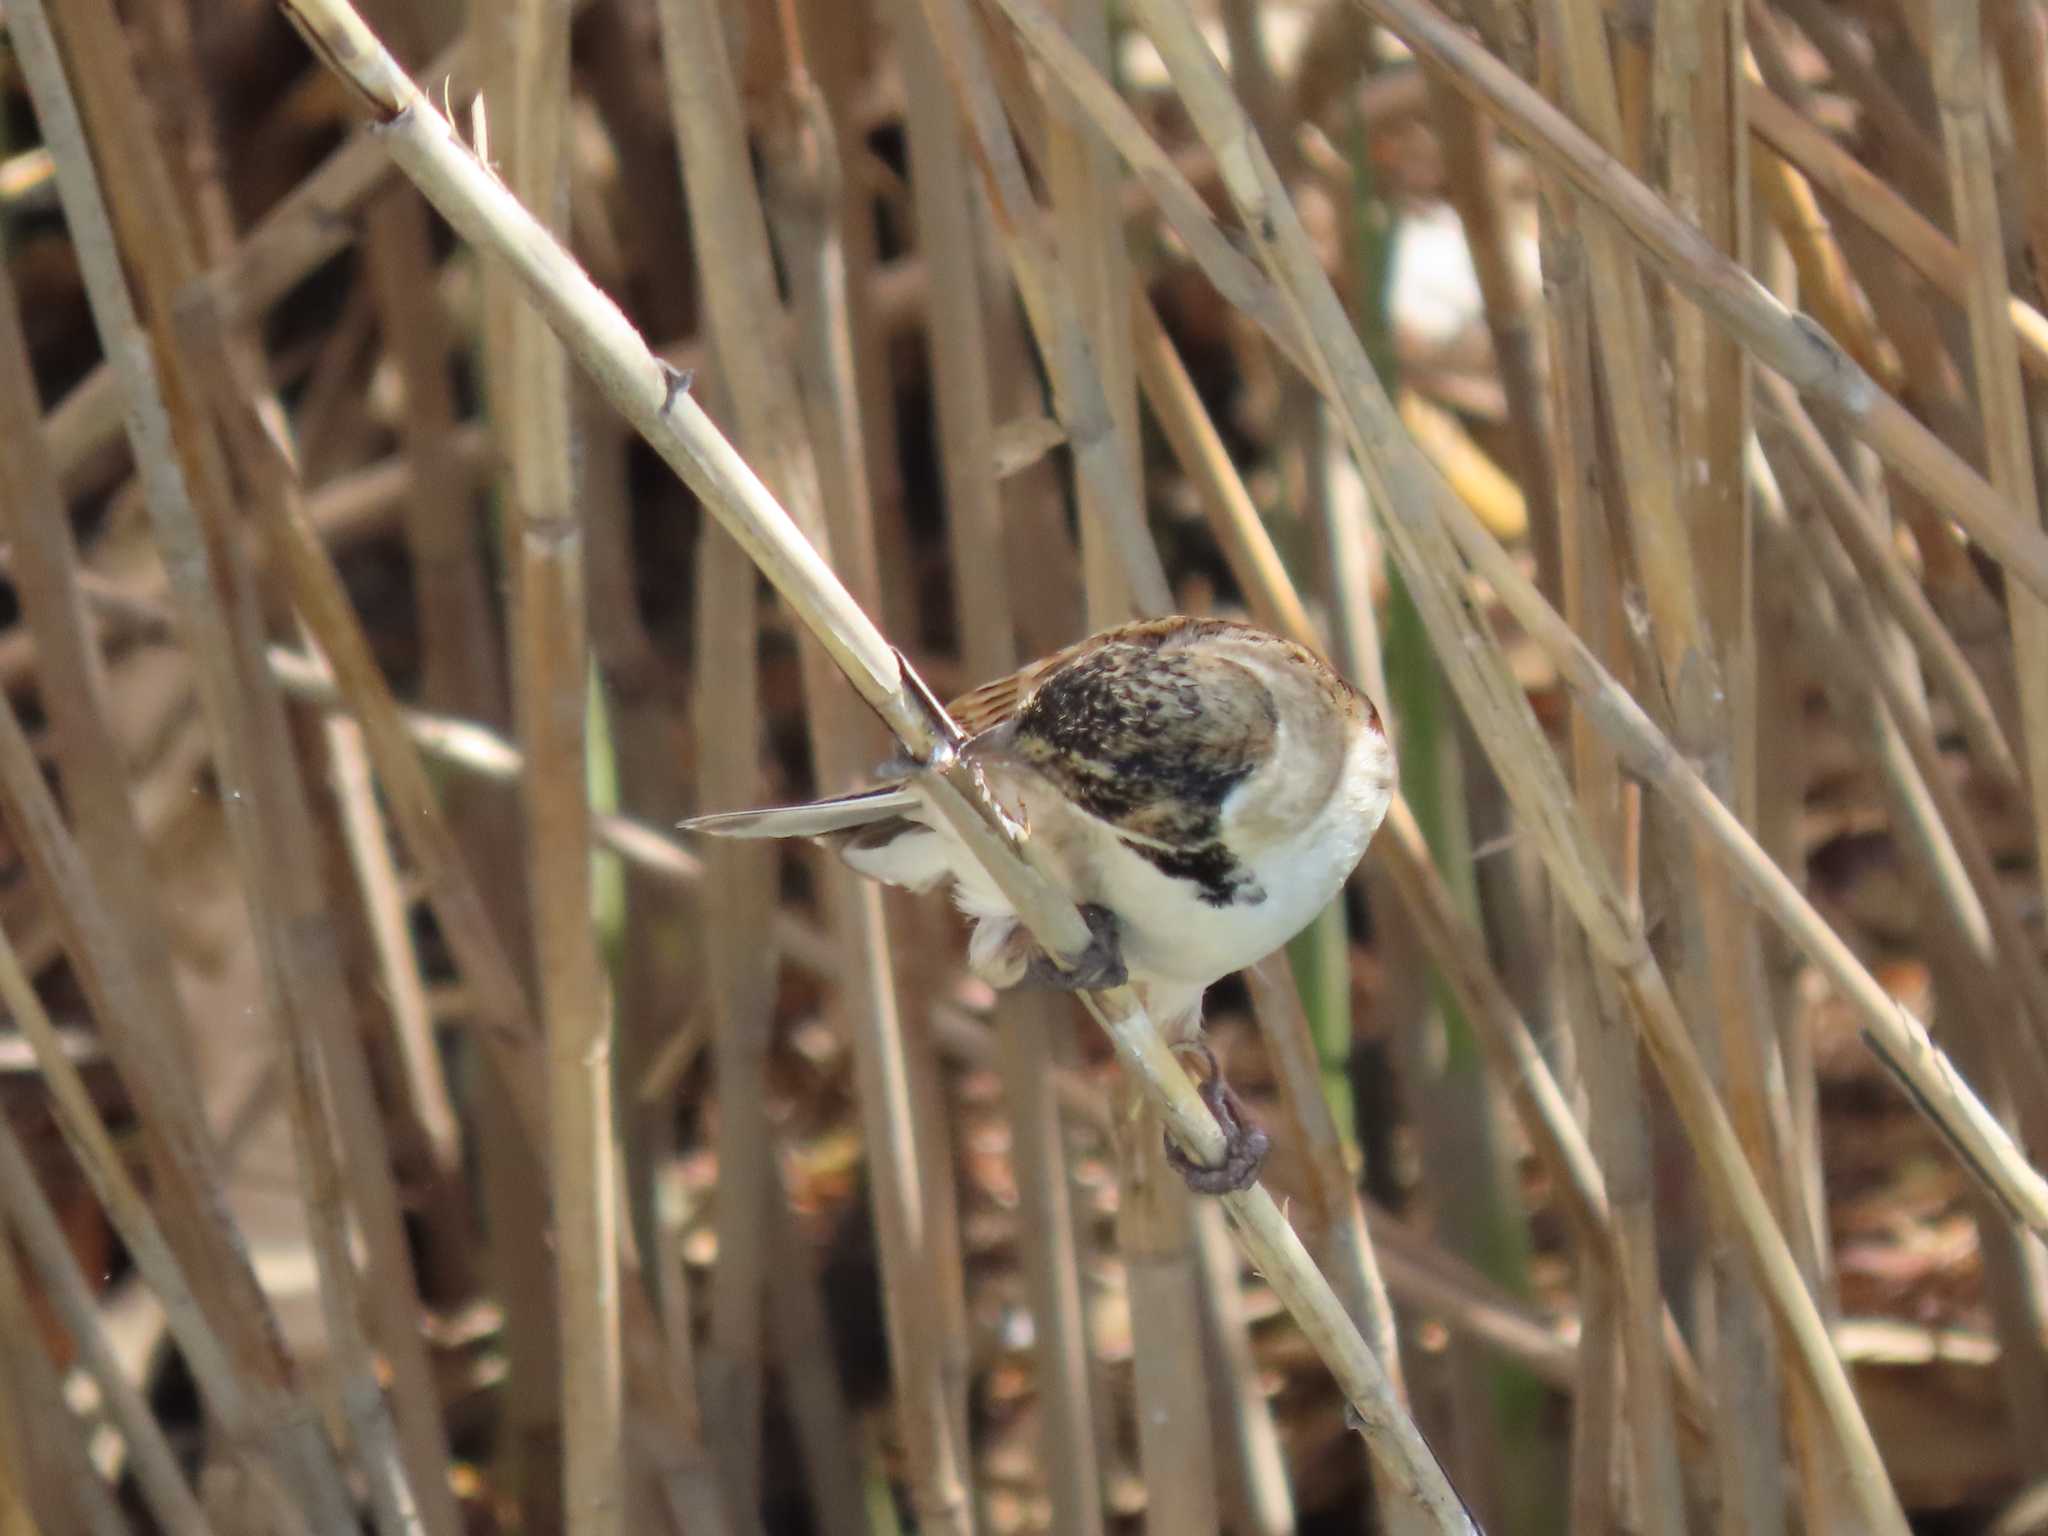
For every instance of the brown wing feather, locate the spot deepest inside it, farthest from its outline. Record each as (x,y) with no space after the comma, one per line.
(993,704)
(996,703)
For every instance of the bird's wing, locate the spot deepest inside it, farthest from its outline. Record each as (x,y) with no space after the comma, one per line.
(995,704)
(1150,740)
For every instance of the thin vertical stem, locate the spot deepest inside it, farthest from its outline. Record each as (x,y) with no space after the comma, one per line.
(544,543)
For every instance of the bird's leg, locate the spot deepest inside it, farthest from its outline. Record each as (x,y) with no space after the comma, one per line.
(1100,965)
(1245,1142)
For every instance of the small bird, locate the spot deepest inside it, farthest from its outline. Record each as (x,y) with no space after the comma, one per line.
(1200,787)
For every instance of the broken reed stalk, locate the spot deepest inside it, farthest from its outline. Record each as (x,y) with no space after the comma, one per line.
(482,210)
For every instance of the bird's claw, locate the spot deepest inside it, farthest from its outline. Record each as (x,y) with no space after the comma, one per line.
(1100,965)
(1245,1142)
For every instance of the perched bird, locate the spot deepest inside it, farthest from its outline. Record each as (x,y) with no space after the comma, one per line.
(1200,787)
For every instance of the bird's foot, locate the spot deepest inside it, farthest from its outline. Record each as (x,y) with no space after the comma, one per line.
(1100,965)
(1245,1142)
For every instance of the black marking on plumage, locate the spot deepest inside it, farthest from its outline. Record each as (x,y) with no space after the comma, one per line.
(1152,739)
(1213,868)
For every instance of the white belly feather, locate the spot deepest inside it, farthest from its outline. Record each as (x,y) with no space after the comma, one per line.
(1171,939)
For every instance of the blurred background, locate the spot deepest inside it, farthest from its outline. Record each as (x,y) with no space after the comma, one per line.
(406,1130)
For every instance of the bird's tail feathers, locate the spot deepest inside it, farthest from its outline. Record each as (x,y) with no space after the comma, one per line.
(841,813)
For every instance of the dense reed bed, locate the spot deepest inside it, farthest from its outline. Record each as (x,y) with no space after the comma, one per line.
(441,446)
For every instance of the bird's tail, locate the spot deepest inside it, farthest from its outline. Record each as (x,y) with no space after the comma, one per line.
(841,813)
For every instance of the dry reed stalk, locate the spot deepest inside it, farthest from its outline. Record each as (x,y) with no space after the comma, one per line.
(65,1488)
(1786,423)
(337,1126)
(1472,172)
(1335,1229)
(155,454)
(1958,937)
(1156,1241)
(1697,58)
(1625,1420)
(1252,1471)
(1778,338)
(1646,752)
(1960,85)
(803,194)
(1872,202)
(1984,906)
(1082,398)
(950,237)
(1204,460)
(1602,1440)
(257,1419)
(426,1128)
(652,968)
(543,546)
(824,1424)
(1455,947)
(1824,276)
(1093,264)
(739,283)
(1154,1221)
(1414,502)
(165,1492)
(633,379)
(843,51)
(1913,157)
(1627,353)
(1025,1029)
(483,754)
